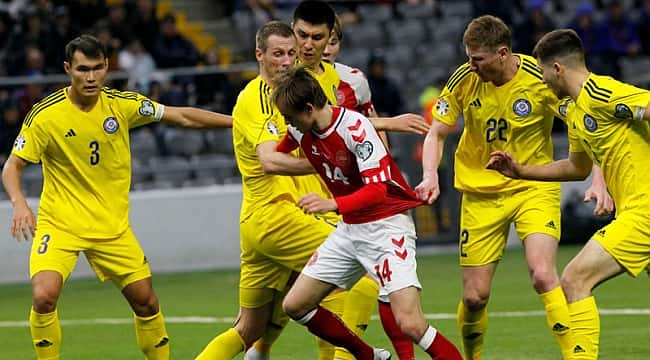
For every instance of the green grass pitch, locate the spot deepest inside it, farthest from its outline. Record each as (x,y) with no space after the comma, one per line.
(517,327)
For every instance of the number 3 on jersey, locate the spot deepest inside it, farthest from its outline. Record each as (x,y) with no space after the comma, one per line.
(337,174)
(94,152)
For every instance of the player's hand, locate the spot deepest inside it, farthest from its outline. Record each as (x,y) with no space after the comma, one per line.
(429,189)
(604,202)
(504,163)
(314,204)
(23,224)
(410,123)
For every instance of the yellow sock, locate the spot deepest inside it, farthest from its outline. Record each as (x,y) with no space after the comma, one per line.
(152,336)
(558,320)
(585,322)
(46,334)
(335,303)
(226,345)
(359,305)
(472,326)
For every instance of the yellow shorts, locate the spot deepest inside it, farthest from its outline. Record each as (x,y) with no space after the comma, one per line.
(627,239)
(485,221)
(277,240)
(120,259)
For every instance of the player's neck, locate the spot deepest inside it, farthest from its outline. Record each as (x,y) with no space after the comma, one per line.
(316,67)
(84,103)
(323,118)
(510,70)
(575,80)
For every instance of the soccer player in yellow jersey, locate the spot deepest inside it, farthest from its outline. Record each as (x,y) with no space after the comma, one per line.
(607,125)
(505,106)
(80,134)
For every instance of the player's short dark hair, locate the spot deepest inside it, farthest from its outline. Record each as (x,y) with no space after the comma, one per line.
(271,28)
(487,31)
(89,45)
(315,12)
(562,44)
(295,89)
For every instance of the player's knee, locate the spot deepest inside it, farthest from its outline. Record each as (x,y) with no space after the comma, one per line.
(411,326)
(44,299)
(146,305)
(544,279)
(476,301)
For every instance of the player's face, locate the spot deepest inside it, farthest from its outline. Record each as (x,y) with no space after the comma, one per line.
(488,64)
(312,40)
(301,120)
(87,75)
(280,54)
(551,76)
(332,49)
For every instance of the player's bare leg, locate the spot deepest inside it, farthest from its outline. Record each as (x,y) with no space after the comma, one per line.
(301,304)
(150,330)
(541,250)
(472,309)
(43,318)
(585,271)
(407,310)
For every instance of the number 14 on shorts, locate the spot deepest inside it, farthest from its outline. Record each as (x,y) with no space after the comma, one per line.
(383,272)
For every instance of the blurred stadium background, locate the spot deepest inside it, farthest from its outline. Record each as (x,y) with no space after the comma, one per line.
(200,53)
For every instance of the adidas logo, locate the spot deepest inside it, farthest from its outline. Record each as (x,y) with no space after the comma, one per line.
(473,335)
(70,133)
(476,103)
(601,232)
(162,342)
(551,225)
(362,327)
(44,343)
(578,349)
(560,328)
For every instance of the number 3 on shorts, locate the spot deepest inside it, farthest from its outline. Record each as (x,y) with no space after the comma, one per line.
(383,272)
(42,248)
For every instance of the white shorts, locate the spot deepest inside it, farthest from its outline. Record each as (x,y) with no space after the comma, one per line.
(384,248)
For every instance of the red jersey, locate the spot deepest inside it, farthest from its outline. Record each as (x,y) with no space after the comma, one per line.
(349,154)
(353,92)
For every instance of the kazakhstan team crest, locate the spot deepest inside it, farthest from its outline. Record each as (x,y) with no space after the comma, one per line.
(522,107)
(622,111)
(590,123)
(111,125)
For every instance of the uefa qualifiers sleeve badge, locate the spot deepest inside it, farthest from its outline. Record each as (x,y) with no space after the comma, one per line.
(442,107)
(146,108)
(364,150)
(19,143)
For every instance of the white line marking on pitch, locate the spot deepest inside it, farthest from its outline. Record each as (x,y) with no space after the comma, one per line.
(230,320)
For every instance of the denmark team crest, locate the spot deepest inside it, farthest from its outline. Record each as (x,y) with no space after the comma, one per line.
(111,125)
(522,107)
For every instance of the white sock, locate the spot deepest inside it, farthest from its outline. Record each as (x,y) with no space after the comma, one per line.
(305,319)
(253,354)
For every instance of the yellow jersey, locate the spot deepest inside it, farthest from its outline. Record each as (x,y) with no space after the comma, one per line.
(606,121)
(257,120)
(86,159)
(516,117)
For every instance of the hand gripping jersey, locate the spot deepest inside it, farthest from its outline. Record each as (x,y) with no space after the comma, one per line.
(349,154)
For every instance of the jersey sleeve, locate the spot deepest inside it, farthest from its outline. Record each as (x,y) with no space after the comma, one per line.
(450,102)
(575,145)
(626,103)
(557,107)
(364,95)
(32,141)
(289,142)
(139,110)
(362,140)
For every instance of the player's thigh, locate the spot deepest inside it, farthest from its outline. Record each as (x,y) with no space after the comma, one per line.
(120,259)
(54,250)
(537,211)
(484,225)
(627,239)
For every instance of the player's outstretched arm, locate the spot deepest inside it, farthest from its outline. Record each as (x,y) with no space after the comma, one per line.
(598,192)
(576,167)
(275,162)
(23,222)
(195,118)
(411,123)
(434,143)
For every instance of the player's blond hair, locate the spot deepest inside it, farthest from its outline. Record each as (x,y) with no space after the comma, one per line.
(271,28)
(487,31)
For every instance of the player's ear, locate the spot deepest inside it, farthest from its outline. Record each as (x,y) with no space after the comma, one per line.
(258,54)
(66,67)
